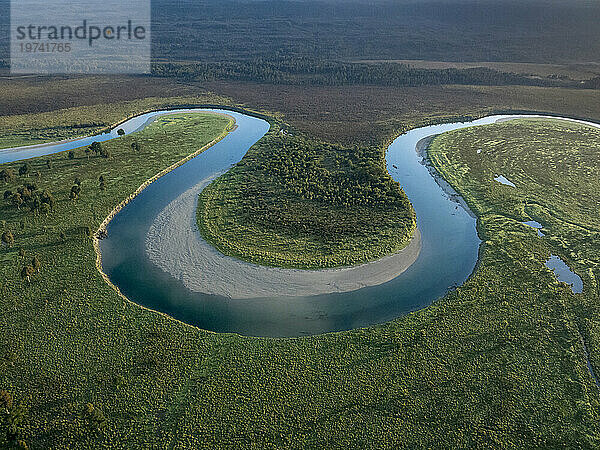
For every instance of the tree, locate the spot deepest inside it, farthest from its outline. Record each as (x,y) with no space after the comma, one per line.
(135,146)
(96,147)
(12,417)
(17,200)
(105,153)
(77,181)
(22,252)
(49,164)
(24,169)
(121,132)
(94,416)
(7,194)
(24,192)
(71,154)
(48,198)
(35,203)
(102,183)
(8,238)
(27,272)
(7,175)
(75,191)
(62,236)
(36,264)
(87,152)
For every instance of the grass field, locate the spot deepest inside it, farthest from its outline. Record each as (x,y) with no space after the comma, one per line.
(499,362)
(350,115)
(36,128)
(298,202)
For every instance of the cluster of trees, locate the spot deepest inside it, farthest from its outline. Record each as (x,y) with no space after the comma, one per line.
(75,190)
(295,185)
(98,149)
(30,269)
(7,175)
(331,174)
(8,238)
(311,71)
(29,195)
(295,201)
(94,416)
(12,417)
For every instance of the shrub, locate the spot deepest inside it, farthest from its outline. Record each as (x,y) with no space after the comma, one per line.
(24,169)
(8,238)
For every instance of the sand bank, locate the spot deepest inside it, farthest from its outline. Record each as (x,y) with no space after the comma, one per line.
(175,245)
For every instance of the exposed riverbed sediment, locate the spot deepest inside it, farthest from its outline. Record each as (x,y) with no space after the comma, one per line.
(174,244)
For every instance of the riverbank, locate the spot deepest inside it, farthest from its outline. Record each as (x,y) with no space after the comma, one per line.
(101,232)
(174,244)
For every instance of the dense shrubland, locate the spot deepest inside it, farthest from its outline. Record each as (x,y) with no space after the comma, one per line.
(294,201)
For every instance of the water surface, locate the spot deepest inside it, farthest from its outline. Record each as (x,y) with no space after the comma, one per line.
(503,180)
(564,274)
(538,227)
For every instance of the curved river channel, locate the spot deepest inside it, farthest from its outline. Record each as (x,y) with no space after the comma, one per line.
(448,256)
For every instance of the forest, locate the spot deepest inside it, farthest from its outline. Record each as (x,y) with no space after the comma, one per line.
(310,71)
(259,40)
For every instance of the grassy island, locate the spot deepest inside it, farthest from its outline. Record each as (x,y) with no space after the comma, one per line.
(298,202)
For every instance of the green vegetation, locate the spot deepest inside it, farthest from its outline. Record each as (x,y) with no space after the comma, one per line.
(551,162)
(441,30)
(296,202)
(498,363)
(310,71)
(37,128)
(372,115)
(51,226)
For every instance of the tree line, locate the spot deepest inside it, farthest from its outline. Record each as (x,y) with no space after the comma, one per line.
(311,71)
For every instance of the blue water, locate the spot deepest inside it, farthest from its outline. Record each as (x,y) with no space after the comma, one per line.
(503,180)
(564,274)
(449,253)
(538,227)
(132,125)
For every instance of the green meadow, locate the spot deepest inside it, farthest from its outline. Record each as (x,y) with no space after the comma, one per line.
(68,123)
(498,362)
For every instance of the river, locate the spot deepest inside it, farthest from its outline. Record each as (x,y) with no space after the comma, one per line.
(448,256)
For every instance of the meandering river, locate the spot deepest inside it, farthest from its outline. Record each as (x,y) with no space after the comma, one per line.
(448,254)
